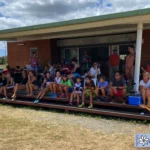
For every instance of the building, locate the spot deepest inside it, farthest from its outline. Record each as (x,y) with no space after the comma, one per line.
(98,35)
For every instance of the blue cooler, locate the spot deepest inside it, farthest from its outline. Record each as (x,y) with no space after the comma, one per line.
(135,100)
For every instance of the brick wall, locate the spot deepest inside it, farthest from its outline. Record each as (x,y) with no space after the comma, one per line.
(145,58)
(20,54)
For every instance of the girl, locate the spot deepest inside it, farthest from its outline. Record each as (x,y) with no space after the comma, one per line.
(32,83)
(66,86)
(9,85)
(145,88)
(77,91)
(21,85)
(48,81)
(34,62)
(55,86)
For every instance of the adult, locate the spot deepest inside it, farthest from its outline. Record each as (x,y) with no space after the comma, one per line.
(94,71)
(76,72)
(117,86)
(145,88)
(129,65)
(85,57)
(34,62)
(113,63)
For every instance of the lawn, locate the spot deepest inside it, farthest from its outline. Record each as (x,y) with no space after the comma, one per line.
(29,129)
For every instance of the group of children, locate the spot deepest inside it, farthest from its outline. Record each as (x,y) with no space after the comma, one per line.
(65,87)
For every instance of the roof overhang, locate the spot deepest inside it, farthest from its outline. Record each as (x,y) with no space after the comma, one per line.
(100,25)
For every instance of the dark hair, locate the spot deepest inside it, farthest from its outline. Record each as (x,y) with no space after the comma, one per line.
(88,77)
(102,77)
(120,73)
(79,78)
(18,67)
(33,72)
(131,46)
(8,67)
(64,75)
(75,60)
(114,50)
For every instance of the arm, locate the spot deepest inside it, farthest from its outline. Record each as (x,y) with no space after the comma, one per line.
(43,82)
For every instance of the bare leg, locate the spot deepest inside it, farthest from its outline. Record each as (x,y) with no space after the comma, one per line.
(83,96)
(91,97)
(148,97)
(144,96)
(66,90)
(51,87)
(5,91)
(44,92)
(71,97)
(28,89)
(55,88)
(32,87)
(78,98)
(96,92)
(61,89)
(103,92)
(40,93)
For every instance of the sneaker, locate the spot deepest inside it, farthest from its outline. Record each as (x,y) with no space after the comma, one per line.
(36,101)
(82,105)
(61,96)
(5,98)
(90,106)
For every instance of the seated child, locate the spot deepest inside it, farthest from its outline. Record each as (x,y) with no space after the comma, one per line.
(145,88)
(117,86)
(48,81)
(65,86)
(32,83)
(88,91)
(21,85)
(77,91)
(102,87)
(9,84)
(55,86)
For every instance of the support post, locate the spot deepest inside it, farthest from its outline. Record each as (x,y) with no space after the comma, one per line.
(138,56)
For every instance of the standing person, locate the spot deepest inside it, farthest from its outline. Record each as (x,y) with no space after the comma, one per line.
(21,85)
(117,86)
(77,91)
(129,65)
(55,86)
(113,63)
(32,83)
(145,88)
(88,91)
(34,62)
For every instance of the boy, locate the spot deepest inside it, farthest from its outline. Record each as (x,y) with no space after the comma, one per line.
(88,91)
(77,91)
(117,86)
(102,87)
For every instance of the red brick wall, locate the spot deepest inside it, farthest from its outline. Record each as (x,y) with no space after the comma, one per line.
(145,58)
(20,54)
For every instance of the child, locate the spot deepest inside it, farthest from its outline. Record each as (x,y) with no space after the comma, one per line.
(117,86)
(32,83)
(21,85)
(55,85)
(77,91)
(102,87)
(9,85)
(48,81)
(88,91)
(66,86)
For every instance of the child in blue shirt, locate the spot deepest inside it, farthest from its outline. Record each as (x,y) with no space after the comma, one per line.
(102,87)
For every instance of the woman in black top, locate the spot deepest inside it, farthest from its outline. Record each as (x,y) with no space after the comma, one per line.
(21,85)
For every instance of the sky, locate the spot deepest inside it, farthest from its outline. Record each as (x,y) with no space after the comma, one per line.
(18,13)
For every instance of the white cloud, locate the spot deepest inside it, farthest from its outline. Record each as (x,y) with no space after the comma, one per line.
(16,13)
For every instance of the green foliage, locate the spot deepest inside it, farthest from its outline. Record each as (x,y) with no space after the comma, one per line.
(3,60)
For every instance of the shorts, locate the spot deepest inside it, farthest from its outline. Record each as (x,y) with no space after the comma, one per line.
(70,90)
(10,87)
(88,93)
(76,74)
(77,92)
(119,93)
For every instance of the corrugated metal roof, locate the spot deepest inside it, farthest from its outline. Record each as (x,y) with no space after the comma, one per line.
(80,21)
